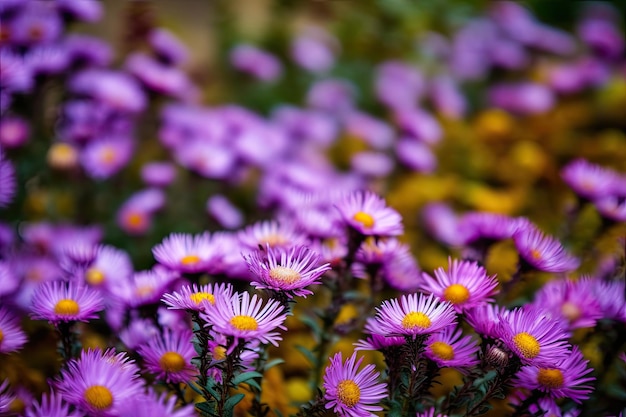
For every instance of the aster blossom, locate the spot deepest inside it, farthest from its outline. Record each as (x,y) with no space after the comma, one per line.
(289,271)
(465,284)
(185,253)
(12,337)
(51,405)
(568,377)
(449,348)
(412,315)
(589,180)
(155,405)
(533,337)
(100,383)
(543,252)
(193,297)
(244,317)
(59,301)
(368,214)
(350,392)
(168,356)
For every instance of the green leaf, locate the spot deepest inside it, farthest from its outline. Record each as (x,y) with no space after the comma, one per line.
(230,403)
(307,354)
(245,377)
(273,363)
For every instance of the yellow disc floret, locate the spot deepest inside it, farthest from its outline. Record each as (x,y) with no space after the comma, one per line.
(172,362)
(527,344)
(66,307)
(348,392)
(456,294)
(245,323)
(197,297)
(284,275)
(365,219)
(99,397)
(94,276)
(442,350)
(415,320)
(190,260)
(550,378)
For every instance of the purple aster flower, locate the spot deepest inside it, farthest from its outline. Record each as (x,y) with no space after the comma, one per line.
(523,98)
(612,208)
(372,164)
(374,132)
(186,253)
(367,213)
(59,301)
(48,59)
(376,341)
(418,124)
(286,271)
(111,265)
(304,125)
(152,404)
(104,157)
(491,226)
(485,319)
(161,78)
(398,84)
(533,337)
(210,160)
(610,295)
(449,348)
(135,215)
(85,10)
(8,183)
(332,95)
(193,298)
(6,397)
(158,174)
(431,413)
(12,337)
(169,356)
(442,223)
(117,90)
(567,377)
(402,272)
(146,287)
(272,233)
(8,277)
(351,392)
(14,132)
(465,284)
(224,212)
(51,405)
(15,74)
(447,97)
(85,50)
(416,155)
(603,36)
(168,47)
(543,252)
(412,315)
(244,317)
(138,332)
(572,301)
(99,383)
(313,50)
(256,62)
(36,23)
(589,180)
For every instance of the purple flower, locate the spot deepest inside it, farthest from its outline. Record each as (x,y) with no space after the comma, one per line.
(313,50)
(211,160)
(186,253)
(12,337)
(85,10)
(522,98)
(376,341)
(85,50)
(169,356)
(51,405)
(36,23)
(449,348)
(161,78)
(272,233)
(138,331)
(256,62)
(491,226)
(48,59)
(589,180)
(104,157)
(15,74)
(416,155)
(485,319)
(245,318)
(543,252)
(533,337)
(442,223)
(447,97)
(612,208)
(59,301)
(14,132)
(168,47)
(603,37)
(146,287)
(158,174)
(567,377)
(286,271)
(155,405)
(135,215)
(110,266)
(610,295)
(6,397)
(374,132)
(194,298)
(117,90)
(8,183)
(100,383)
(351,392)
(224,212)
(333,95)
(372,164)
(465,284)
(418,124)
(398,85)
(368,214)
(412,315)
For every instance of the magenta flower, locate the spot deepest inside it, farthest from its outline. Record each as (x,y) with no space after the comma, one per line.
(152,404)
(492,226)
(245,317)
(256,62)
(51,405)
(99,383)
(186,253)
(351,392)
(543,252)
(110,265)
(288,271)
(6,396)
(194,297)
(14,132)
(369,215)
(168,47)
(8,184)
(449,348)
(376,341)
(158,174)
(485,319)
(589,180)
(465,284)
(104,157)
(271,233)
(412,315)
(59,301)
(12,337)
(533,337)
(224,212)
(169,356)
(145,287)
(567,377)
(431,413)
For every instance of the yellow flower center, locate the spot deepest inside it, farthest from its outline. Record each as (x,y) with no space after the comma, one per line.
(442,350)
(550,378)
(144,291)
(535,254)
(219,353)
(456,294)
(66,307)
(365,219)
(135,219)
(348,392)
(273,240)
(94,276)
(172,362)
(571,311)
(527,344)
(416,320)
(62,155)
(1,336)
(245,323)
(284,274)
(108,155)
(197,297)
(99,397)
(190,260)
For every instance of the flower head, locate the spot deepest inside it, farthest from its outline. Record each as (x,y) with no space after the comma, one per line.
(449,348)
(186,253)
(465,284)
(59,301)
(368,214)
(169,356)
(289,271)
(8,183)
(350,392)
(12,337)
(100,383)
(51,405)
(567,377)
(412,315)
(543,252)
(194,298)
(152,404)
(589,180)
(271,233)
(245,317)
(105,157)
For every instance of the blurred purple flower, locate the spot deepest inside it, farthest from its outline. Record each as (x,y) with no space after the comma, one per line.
(256,62)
